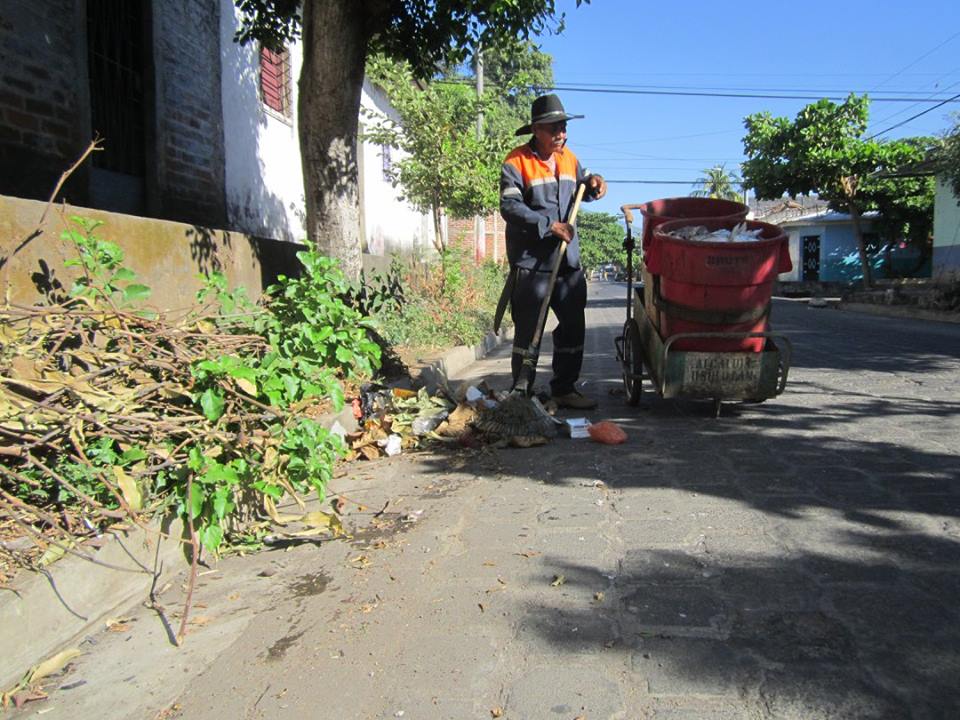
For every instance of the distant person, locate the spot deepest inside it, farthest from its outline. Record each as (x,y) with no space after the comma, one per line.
(538,182)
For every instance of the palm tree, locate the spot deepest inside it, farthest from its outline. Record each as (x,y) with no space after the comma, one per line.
(717,183)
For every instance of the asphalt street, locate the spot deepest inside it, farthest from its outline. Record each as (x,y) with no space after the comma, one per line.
(798,558)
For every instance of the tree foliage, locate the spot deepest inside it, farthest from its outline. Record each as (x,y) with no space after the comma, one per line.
(904,200)
(446,166)
(823,151)
(601,239)
(717,183)
(338,37)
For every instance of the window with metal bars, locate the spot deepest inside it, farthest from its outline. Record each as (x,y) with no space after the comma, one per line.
(115,57)
(275,80)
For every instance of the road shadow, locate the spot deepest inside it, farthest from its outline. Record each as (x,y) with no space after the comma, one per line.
(787,639)
(826,584)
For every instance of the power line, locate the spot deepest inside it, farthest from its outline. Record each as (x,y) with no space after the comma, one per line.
(891,116)
(692,93)
(652,182)
(914,117)
(925,55)
(722,88)
(611,91)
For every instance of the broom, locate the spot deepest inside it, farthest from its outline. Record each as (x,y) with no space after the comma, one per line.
(521,414)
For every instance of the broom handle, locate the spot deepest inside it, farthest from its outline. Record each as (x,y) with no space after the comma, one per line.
(545,305)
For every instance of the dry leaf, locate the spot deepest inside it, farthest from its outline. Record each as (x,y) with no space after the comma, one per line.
(558,580)
(370,452)
(119,624)
(529,554)
(248,386)
(51,666)
(598,596)
(131,493)
(496,712)
(321,519)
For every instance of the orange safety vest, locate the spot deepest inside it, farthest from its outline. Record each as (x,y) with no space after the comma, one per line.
(532,198)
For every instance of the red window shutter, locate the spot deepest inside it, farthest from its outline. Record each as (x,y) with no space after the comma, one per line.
(274,78)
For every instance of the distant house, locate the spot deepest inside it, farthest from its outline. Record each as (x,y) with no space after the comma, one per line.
(945,260)
(195,128)
(946,231)
(823,248)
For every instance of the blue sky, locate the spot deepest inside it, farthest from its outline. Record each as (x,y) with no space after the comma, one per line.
(811,48)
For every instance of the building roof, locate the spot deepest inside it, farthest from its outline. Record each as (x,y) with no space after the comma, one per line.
(786,209)
(818,218)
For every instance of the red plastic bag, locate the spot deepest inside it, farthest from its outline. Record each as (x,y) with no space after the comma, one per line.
(606,432)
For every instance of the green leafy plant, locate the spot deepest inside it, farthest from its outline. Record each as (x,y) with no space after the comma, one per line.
(309,321)
(101,262)
(451,302)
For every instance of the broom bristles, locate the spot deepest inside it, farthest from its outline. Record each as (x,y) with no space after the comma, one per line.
(517,415)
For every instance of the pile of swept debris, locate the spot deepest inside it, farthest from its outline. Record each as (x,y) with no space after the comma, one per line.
(392,420)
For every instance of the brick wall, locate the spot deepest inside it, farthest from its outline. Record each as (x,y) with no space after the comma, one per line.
(43,120)
(189,126)
(461,233)
(45,105)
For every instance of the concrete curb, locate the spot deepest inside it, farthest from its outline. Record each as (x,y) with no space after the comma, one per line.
(900,311)
(438,372)
(50,612)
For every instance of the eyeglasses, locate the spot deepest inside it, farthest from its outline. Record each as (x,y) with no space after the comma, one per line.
(554,128)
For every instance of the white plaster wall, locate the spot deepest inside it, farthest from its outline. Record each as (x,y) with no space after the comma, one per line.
(946,231)
(263,178)
(390,224)
(793,245)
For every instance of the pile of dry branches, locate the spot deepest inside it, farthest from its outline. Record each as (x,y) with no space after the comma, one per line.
(79,385)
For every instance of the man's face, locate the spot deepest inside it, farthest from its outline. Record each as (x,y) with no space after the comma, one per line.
(550,136)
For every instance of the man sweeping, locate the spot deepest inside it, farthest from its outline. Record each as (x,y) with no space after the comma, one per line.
(538,183)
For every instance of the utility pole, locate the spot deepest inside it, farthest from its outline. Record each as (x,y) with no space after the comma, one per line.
(479,228)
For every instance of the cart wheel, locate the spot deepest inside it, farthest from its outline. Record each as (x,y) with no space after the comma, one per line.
(632,363)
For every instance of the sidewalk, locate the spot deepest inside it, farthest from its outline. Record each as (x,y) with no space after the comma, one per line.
(49,612)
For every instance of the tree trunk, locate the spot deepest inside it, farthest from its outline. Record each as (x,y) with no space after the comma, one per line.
(438,242)
(335,37)
(861,246)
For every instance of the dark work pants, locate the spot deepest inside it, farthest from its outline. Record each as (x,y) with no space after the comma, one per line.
(568,302)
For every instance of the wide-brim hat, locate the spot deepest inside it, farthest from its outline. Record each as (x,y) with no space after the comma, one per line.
(546,109)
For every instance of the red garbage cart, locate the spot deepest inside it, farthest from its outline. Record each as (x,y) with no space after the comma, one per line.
(698,326)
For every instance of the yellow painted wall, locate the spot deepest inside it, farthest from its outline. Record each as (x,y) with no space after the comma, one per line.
(167,256)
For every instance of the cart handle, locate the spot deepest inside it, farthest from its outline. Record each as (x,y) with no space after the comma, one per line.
(627,211)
